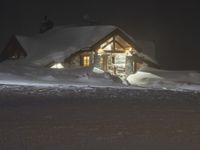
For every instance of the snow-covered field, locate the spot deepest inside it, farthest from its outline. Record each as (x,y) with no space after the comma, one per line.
(15,73)
(20,74)
(165,79)
(48,109)
(90,117)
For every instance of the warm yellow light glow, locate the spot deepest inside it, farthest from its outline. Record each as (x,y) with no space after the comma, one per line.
(128,51)
(105,43)
(86,61)
(108,47)
(100,51)
(57,66)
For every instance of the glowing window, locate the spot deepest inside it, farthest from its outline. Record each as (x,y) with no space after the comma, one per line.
(122,42)
(86,61)
(106,43)
(57,66)
(13,57)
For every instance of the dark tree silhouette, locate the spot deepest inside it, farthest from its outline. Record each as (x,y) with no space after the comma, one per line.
(46,25)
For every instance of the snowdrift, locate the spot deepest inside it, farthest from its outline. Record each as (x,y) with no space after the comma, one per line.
(18,74)
(164,79)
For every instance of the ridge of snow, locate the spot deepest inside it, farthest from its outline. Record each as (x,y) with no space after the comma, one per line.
(164,79)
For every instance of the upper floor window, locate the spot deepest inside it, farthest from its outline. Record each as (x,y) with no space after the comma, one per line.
(115,44)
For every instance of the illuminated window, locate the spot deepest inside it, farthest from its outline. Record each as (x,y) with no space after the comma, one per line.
(57,66)
(86,61)
(13,57)
(108,42)
(108,45)
(115,44)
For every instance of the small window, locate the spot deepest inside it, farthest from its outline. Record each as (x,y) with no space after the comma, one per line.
(17,55)
(86,61)
(13,57)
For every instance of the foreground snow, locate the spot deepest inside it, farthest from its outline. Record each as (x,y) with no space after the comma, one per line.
(18,74)
(164,79)
(49,118)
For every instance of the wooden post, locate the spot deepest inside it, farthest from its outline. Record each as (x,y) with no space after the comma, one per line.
(129,65)
(113,44)
(97,59)
(135,67)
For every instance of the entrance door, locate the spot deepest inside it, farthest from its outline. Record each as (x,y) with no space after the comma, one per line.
(105,62)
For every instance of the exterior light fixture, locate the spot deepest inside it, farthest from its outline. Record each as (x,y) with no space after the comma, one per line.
(57,66)
(128,51)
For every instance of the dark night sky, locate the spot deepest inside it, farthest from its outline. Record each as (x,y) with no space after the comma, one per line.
(173,26)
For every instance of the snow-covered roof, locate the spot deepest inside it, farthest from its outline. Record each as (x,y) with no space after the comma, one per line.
(148,47)
(60,42)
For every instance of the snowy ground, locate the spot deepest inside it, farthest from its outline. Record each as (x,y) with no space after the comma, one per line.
(57,118)
(42,109)
(13,73)
(16,73)
(165,79)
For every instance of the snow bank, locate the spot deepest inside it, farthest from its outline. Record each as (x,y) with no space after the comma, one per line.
(143,78)
(155,78)
(178,76)
(15,73)
(25,75)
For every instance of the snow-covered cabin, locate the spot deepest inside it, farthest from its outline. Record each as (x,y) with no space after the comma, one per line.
(105,47)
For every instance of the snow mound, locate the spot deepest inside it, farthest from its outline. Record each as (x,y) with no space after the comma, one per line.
(143,78)
(163,79)
(177,76)
(97,70)
(25,75)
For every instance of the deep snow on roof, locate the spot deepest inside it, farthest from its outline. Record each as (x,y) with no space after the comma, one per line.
(60,42)
(148,47)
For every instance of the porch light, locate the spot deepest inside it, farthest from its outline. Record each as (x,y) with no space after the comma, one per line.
(128,51)
(100,51)
(130,48)
(57,66)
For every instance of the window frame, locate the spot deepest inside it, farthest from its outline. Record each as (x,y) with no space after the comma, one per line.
(85,63)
